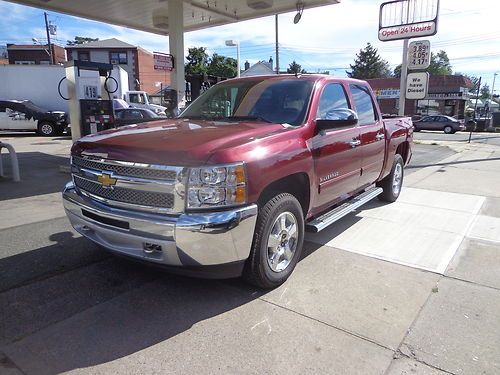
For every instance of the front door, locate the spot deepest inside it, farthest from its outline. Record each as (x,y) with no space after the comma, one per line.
(372,135)
(336,157)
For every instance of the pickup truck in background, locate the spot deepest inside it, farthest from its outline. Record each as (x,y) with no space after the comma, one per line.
(140,99)
(23,115)
(230,187)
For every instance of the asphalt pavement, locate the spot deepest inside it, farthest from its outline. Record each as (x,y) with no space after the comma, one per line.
(411,287)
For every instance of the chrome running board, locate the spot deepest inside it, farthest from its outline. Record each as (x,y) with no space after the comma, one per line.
(321,222)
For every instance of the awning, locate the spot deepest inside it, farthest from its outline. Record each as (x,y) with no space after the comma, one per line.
(152,15)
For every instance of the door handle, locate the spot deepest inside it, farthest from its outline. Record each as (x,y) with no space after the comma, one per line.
(354,143)
(380,136)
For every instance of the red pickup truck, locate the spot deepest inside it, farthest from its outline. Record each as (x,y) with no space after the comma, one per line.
(230,187)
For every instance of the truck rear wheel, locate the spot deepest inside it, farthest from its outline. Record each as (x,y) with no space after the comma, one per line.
(47,129)
(277,243)
(393,182)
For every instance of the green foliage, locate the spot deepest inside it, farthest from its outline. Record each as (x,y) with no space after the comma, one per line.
(440,64)
(81,40)
(397,71)
(199,62)
(473,79)
(222,66)
(295,68)
(485,91)
(368,64)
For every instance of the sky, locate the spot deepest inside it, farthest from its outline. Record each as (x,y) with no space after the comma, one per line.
(326,38)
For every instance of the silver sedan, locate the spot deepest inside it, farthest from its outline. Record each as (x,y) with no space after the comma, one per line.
(439,122)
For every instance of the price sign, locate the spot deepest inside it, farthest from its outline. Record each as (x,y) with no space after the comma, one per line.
(90,92)
(419,55)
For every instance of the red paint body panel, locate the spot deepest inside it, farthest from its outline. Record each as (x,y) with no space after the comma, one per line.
(270,151)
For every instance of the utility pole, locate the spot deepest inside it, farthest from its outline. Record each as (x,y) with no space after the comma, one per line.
(51,52)
(475,106)
(277,46)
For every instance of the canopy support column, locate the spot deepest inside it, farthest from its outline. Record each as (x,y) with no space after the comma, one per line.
(176,46)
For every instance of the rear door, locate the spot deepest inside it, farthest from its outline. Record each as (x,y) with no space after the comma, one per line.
(336,157)
(17,121)
(371,128)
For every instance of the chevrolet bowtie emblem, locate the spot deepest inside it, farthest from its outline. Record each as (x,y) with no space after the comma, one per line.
(106,180)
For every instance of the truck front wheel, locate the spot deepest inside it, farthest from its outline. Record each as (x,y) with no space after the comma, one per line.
(392,183)
(277,243)
(47,129)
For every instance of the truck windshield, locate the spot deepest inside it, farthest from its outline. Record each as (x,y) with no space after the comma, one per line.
(269,100)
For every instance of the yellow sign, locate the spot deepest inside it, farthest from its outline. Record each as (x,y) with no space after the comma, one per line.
(106,180)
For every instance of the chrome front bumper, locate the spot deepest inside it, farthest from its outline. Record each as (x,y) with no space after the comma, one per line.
(186,240)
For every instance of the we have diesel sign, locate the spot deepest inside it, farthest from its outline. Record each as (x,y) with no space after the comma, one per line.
(417,85)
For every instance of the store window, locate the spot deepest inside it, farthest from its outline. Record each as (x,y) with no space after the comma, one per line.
(84,56)
(118,58)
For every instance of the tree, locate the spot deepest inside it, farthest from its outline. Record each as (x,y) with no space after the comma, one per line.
(198,60)
(81,40)
(473,79)
(440,64)
(295,68)
(485,91)
(368,64)
(222,66)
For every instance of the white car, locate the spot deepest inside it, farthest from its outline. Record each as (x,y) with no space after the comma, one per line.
(17,115)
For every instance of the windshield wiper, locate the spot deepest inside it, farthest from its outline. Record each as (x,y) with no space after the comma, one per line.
(250,118)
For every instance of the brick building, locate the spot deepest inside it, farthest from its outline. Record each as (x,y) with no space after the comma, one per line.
(136,61)
(34,54)
(447,95)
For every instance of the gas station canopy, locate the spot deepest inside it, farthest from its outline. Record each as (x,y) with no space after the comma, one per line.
(153,15)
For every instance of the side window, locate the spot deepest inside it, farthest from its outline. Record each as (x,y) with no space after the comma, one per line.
(132,114)
(364,105)
(136,98)
(332,98)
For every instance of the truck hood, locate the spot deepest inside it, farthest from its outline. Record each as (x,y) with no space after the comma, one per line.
(179,142)
(157,107)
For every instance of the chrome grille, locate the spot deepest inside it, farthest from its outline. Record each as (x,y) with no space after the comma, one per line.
(130,196)
(125,170)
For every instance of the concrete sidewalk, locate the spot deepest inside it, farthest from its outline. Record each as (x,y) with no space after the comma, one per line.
(407,288)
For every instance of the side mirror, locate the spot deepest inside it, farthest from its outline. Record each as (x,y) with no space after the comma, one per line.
(337,118)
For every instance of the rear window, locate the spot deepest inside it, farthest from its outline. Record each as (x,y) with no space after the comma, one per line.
(364,105)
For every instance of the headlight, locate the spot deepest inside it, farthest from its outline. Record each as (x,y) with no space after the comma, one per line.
(217,186)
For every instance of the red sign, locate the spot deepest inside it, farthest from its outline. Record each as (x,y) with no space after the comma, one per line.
(163,61)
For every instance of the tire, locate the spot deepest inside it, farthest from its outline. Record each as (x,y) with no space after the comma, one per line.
(47,129)
(269,266)
(415,129)
(448,129)
(392,183)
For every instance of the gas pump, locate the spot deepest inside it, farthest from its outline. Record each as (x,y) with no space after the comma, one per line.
(89,95)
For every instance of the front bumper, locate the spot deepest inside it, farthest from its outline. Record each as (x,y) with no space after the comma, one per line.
(191,241)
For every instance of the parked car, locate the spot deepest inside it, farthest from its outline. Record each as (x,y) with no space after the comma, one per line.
(127,116)
(230,186)
(23,115)
(439,122)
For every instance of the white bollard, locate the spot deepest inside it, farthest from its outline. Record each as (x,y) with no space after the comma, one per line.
(13,161)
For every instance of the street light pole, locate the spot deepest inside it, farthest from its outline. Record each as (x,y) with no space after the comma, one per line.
(234,43)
